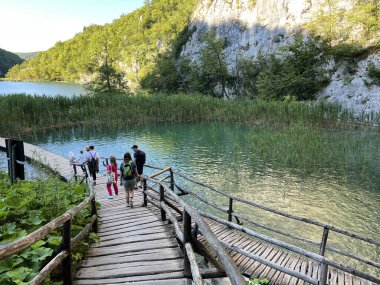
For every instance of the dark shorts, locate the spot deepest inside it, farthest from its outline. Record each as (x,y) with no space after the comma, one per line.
(140,168)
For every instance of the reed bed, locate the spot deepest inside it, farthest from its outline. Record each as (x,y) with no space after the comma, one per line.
(21,114)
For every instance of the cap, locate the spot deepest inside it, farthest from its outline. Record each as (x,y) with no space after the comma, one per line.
(87,147)
(134,146)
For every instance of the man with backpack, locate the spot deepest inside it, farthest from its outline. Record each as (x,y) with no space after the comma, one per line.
(140,158)
(92,159)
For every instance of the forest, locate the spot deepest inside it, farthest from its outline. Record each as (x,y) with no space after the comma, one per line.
(143,50)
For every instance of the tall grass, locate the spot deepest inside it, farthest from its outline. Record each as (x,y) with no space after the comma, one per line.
(22,114)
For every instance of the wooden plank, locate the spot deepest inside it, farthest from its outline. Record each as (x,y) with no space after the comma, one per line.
(133,239)
(149,256)
(131,228)
(276,274)
(287,277)
(125,270)
(274,257)
(128,224)
(131,248)
(138,232)
(168,277)
(256,270)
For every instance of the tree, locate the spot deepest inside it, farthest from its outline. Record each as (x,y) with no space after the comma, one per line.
(107,78)
(213,65)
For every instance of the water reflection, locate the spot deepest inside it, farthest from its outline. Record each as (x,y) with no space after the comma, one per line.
(331,177)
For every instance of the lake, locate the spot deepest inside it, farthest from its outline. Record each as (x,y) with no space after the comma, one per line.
(328,176)
(41,88)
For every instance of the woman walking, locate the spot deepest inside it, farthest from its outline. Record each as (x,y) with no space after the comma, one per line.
(129,175)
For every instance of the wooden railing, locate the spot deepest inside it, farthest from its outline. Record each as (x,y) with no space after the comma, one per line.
(63,252)
(163,198)
(319,257)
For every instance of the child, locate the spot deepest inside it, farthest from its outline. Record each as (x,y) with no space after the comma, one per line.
(110,179)
(114,171)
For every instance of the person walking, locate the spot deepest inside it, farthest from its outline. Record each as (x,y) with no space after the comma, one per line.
(139,158)
(114,171)
(92,158)
(128,170)
(110,179)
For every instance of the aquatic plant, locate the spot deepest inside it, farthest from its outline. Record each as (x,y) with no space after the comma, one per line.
(22,114)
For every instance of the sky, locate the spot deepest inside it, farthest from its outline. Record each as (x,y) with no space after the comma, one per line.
(36,25)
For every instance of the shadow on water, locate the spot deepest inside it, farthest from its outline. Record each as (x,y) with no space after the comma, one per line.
(328,176)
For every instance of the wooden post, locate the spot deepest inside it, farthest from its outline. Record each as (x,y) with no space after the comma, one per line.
(15,152)
(75,172)
(162,199)
(323,275)
(66,245)
(325,235)
(94,212)
(144,193)
(171,180)
(230,210)
(186,239)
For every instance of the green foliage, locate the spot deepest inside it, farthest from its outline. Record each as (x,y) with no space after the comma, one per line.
(374,73)
(213,76)
(257,281)
(23,114)
(355,23)
(295,73)
(25,207)
(7,60)
(134,40)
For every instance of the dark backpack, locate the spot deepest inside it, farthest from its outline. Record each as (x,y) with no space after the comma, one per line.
(93,164)
(127,171)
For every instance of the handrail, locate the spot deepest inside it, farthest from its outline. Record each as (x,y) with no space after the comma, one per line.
(326,227)
(296,249)
(63,256)
(302,219)
(189,213)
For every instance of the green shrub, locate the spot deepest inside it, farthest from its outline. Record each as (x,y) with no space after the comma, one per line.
(374,73)
(25,207)
(298,73)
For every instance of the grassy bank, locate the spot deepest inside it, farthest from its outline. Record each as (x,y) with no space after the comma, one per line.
(21,114)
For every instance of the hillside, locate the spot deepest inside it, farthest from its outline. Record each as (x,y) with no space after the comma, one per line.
(27,55)
(272,50)
(7,60)
(130,43)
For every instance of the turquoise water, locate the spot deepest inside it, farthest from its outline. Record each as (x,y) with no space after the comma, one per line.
(41,88)
(328,176)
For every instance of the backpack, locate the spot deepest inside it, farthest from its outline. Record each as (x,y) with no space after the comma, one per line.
(93,164)
(127,171)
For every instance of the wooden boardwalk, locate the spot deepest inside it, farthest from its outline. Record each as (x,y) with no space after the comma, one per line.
(254,269)
(135,246)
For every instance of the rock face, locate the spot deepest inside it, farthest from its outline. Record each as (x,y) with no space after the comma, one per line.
(266,25)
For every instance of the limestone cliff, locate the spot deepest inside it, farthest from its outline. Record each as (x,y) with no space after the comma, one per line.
(265,25)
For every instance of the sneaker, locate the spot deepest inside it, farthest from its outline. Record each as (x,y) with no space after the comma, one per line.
(131,203)
(127,205)
(109,197)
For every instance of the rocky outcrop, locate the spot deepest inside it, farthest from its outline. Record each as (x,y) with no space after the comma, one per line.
(266,25)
